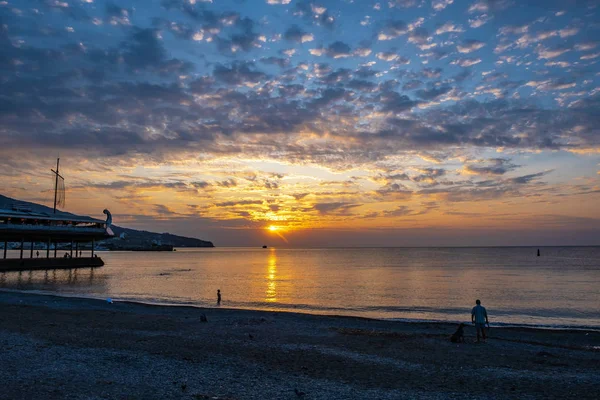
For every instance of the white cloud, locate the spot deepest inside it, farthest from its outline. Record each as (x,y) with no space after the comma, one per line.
(466,62)
(385,56)
(590,56)
(439,5)
(479,21)
(363,51)
(546,53)
(449,27)
(469,47)
(198,36)
(307,37)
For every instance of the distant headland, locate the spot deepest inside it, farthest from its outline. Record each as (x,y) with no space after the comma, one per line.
(124,238)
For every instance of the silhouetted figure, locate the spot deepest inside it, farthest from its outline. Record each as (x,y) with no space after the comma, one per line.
(538,252)
(218,297)
(459,335)
(480,318)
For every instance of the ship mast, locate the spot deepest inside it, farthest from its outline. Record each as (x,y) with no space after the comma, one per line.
(56,183)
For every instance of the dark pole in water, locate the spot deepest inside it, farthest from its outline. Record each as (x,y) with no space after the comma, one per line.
(48,249)
(93,243)
(538,252)
(22,244)
(71,249)
(5,246)
(55,246)
(31,251)
(76,249)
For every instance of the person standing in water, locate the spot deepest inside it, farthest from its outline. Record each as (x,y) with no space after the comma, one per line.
(480,318)
(218,297)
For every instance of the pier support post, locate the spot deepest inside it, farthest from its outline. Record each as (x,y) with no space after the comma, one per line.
(22,244)
(71,249)
(55,246)
(76,249)
(5,247)
(93,245)
(48,248)
(31,251)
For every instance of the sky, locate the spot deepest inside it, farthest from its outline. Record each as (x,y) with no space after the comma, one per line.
(300,123)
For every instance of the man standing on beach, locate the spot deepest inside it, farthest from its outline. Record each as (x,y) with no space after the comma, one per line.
(479,317)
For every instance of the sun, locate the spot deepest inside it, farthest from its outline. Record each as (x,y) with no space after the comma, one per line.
(273,228)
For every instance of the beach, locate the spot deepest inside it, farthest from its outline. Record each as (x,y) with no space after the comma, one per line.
(59,347)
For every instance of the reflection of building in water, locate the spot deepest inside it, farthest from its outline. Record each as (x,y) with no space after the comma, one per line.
(84,281)
(271,294)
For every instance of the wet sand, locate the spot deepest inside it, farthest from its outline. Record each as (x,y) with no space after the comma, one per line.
(71,348)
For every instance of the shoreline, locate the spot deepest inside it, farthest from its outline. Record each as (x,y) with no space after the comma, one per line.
(494,325)
(82,348)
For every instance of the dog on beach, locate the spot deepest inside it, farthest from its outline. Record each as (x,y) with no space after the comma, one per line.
(459,335)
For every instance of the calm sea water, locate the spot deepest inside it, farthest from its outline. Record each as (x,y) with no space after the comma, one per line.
(560,288)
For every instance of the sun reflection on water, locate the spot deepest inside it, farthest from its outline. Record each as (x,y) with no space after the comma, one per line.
(271,293)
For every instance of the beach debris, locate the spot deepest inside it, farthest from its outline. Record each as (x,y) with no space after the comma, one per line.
(109,300)
(299,393)
(203,318)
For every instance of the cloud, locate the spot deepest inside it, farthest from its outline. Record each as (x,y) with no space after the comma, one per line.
(522,180)
(334,50)
(296,34)
(338,208)
(494,167)
(489,6)
(466,62)
(387,56)
(393,29)
(404,3)
(314,13)
(552,84)
(479,21)
(117,15)
(550,52)
(469,46)
(449,27)
(433,93)
(239,73)
(439,5)
(400,211)
(235,203)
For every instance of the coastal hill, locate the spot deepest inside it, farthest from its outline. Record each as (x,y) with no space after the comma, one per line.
(125,238)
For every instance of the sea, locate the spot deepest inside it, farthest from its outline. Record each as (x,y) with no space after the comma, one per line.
(558,289)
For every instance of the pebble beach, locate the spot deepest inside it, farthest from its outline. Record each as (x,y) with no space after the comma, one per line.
(74,348)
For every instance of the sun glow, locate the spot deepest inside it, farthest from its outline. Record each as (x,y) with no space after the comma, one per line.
(277,230)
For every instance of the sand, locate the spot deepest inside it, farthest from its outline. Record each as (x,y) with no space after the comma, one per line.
(70,348)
